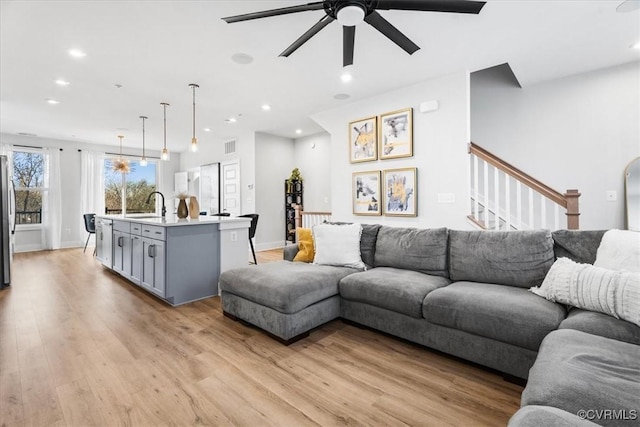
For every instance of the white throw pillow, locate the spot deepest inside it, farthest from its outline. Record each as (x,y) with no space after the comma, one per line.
(616,293)
(619,250)
(338,245)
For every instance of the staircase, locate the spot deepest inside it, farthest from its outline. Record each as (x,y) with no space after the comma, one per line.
(505,198)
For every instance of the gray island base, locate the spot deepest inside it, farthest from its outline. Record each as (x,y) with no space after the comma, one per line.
(178,260)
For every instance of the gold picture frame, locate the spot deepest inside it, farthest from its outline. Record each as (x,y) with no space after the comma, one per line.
(366,197)
(363,140)
(396,134)
(400,192)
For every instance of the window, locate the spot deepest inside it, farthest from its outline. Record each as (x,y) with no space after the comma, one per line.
(28,179)
(139,183)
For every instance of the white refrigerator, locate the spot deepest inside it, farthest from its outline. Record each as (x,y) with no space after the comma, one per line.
(7,222)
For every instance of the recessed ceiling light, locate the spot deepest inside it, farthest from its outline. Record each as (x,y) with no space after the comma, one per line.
(341,96)
(266,107)
(298,131)
(61,82)
(77,53)
(52,101)
(242,58)
(207,129)
(346,77)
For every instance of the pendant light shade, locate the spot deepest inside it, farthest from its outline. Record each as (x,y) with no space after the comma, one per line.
(194,140)
(143,159)
(121,165)
(165,153)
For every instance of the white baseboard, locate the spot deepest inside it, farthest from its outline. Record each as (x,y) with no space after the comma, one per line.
(269,245)
(28,248)
(72,244)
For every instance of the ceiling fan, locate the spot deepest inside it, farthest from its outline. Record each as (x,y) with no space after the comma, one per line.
(349,13)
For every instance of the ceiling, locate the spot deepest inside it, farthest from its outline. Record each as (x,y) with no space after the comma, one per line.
(154,49)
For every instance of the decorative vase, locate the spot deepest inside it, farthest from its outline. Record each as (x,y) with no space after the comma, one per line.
(194,207)
(182,209)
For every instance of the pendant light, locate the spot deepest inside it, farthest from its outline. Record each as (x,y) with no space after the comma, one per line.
(165,153)
(194,140)
(121,165)
(143,160)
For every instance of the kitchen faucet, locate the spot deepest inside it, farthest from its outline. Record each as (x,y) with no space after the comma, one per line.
(164,209)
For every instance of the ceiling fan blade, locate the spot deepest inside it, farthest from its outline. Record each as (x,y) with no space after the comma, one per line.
(455,6)
(348,41)
(275,12)
(379,23)
(326,20)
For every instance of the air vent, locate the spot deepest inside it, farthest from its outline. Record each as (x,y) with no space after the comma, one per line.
(230,147)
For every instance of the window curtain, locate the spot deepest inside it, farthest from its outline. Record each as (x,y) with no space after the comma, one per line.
(91,185)
(52,200)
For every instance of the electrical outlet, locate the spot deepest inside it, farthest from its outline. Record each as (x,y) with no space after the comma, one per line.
(612,196)
(234,236)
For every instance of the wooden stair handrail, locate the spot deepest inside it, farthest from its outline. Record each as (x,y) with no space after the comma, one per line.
(569,200)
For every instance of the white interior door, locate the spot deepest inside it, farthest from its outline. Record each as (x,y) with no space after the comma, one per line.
(231,190)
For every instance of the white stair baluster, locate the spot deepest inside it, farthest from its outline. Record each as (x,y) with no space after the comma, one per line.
(507,200)
(543,212)
(476,204)
(486,194)
(531,221)
(519,205)
(496,194)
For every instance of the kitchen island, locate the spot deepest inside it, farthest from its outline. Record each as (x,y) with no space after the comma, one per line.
(178,260)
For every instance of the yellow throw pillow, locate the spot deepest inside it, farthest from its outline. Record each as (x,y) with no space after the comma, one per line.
(305,246)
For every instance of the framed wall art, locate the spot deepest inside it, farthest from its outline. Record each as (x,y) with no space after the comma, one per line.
(396,134)
(366,193)
(401,195)
(363,140)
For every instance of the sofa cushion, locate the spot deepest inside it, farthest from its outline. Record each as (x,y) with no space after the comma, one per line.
(578,245)
(338,245)
(402,291)
(285,286)
(306,252)
(367,241)
(616,293)
(576,371)
(602,325)
(514,258)
(413,249)
(547,416)
(503,313)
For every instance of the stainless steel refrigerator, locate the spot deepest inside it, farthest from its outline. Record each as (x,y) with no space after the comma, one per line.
(7,222)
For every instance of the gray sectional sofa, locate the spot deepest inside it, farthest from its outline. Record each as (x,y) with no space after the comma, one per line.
(461,292)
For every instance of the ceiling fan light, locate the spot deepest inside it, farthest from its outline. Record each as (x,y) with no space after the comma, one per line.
(350,15)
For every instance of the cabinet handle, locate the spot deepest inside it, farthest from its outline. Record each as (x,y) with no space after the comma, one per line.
(120,241)
(151,251)
(158,232)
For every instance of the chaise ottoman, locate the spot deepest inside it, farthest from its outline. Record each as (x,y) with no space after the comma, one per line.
(286,299)
(587,375)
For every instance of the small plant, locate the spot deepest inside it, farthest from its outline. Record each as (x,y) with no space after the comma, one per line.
(295,176)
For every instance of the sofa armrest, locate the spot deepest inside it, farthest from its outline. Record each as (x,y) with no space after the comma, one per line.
(290,252)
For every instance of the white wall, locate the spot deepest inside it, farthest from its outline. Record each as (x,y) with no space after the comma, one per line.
(312,155)
(72,223)
(275,161)
(213,152)
(440,151)
(576,132)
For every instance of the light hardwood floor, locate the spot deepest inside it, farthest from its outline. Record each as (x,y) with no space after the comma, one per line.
(80,346)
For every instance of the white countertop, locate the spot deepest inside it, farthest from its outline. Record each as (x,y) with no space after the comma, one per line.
(172,220)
